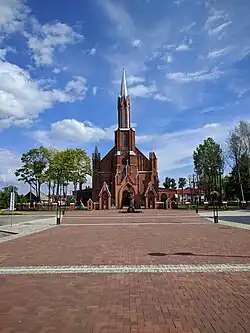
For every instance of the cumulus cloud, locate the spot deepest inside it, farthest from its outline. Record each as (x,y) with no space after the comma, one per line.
(23,98)
(132,79)
(175,149)
(9,162)
(45,39)
(12,15)
(141,90)
(72,131)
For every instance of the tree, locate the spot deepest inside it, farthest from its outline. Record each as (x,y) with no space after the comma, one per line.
(35,162)
(83,167)
(173,185)
(167,182)
(234,153)
(70,165)
(182,183)
(233,189)
(170,183)
(5,196)
(243,132)
(48,178)
(209,164)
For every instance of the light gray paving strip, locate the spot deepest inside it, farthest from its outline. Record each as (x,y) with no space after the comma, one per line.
(27,228)
(116,269)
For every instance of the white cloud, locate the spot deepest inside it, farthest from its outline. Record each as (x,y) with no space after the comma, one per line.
(57,70)
(218,53)
(169,58)
(203,75)
(219,28)
(160,97)
(141,90)
(47,38)
(3,53)
(178,2)
(22,98)
(174,150)
(131,80)
(188,27)
(118,15)
(182,47)
(12,15)
(212,109)
(212,125)
(74,131)
(9,163)
(94,91)
(92,51)
(136,43)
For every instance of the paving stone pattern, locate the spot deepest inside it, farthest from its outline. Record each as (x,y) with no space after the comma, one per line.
(139,303)
(136,298)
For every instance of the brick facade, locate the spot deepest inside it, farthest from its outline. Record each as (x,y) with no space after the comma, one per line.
(125,168)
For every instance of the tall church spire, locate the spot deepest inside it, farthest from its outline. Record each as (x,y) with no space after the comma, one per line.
(123,104)
(124,91)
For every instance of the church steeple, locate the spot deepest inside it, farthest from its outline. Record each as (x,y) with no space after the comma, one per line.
(124,91)
(123,104)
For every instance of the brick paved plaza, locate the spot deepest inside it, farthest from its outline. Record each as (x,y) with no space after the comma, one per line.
(202,284)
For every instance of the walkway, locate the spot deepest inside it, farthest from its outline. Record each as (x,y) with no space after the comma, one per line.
(159,271)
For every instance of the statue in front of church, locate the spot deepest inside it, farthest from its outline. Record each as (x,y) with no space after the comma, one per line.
(131,208)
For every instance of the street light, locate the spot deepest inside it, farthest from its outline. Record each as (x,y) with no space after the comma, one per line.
(198,192)
(58,207)
(215,197)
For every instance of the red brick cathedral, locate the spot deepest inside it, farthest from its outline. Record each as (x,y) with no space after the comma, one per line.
(124,170)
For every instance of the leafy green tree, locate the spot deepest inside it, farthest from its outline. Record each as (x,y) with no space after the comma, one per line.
(238,144)
(34,164)
(233,189)
(170,183)
(83,168)
(182,183)
(167,182)
(173,185)
(48,179)
(70,165)
(5,196)
(209,164)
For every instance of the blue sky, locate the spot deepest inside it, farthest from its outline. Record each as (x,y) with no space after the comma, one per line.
(187,64)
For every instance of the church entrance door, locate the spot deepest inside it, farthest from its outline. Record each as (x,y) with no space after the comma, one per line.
(125,199)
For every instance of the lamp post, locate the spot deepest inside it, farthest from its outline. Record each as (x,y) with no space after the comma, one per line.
(198,192)
(58,207)
(215,196)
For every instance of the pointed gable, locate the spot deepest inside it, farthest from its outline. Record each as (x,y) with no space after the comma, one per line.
(127,180)
(150,188)
(105,188)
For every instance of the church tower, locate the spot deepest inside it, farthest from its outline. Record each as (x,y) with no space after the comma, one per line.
(125,134)
(124,171)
